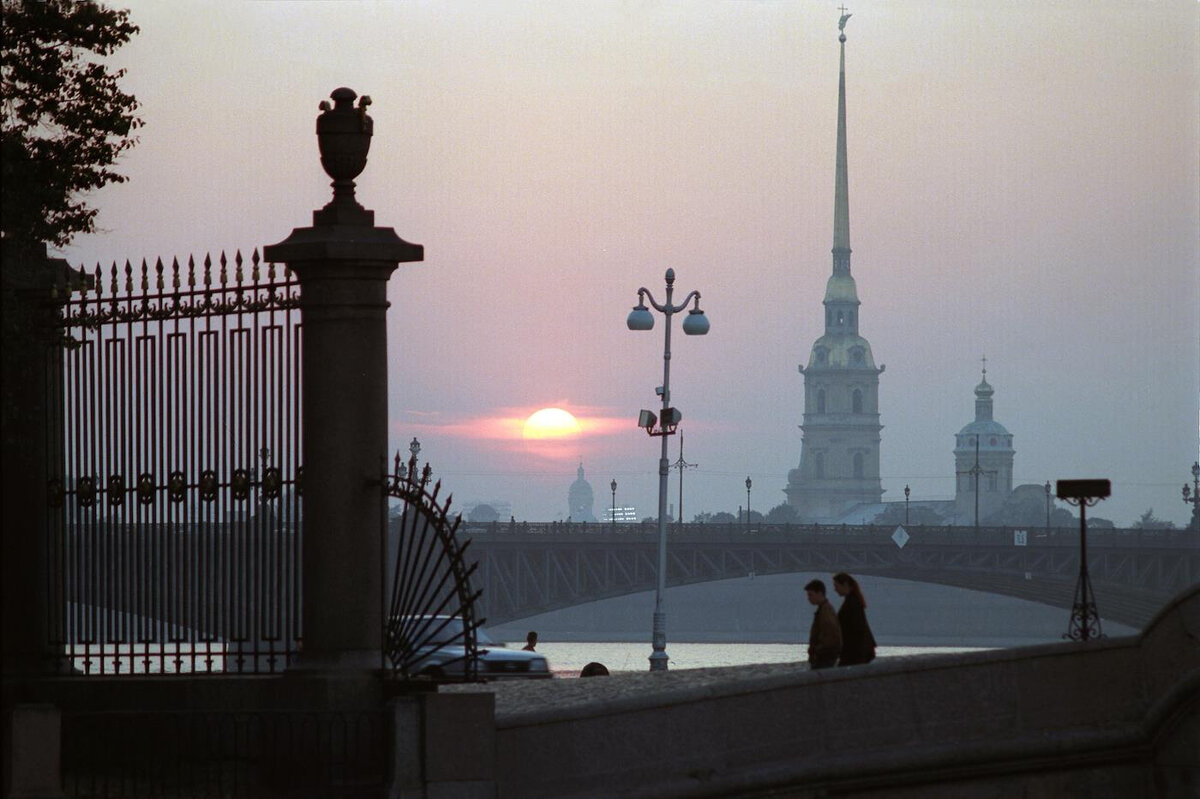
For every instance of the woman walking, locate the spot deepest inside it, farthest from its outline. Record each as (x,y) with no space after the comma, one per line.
(858,644)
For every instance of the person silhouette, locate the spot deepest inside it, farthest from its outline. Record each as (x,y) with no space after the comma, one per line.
(858,643)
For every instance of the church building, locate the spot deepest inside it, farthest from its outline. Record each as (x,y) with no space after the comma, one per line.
(580,499)
(839,450)
(983,462)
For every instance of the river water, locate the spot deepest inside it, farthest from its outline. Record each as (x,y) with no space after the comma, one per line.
(766,620)
(567,658)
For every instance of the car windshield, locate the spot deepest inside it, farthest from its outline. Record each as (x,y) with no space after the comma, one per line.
(448,632)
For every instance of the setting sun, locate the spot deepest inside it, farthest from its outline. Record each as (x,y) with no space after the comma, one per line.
(551,423)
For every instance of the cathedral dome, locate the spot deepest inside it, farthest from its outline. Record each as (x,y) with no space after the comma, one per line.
(992,434)
(988,429)
(580,499)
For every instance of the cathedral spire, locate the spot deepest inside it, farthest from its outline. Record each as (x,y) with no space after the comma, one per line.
(841,191)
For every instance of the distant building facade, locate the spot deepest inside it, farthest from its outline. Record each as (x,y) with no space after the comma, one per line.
(580,499)
(839,450)
(624,515)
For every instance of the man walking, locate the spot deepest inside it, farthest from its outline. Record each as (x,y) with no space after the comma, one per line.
(825,635)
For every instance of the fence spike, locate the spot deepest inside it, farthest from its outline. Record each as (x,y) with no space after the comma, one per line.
(191,277)
(98,280)
(224,270)
(237,268)
(145,276)
(128,277)
(207,269)
(175,272)
(158,270)
(112,286)
(254,261)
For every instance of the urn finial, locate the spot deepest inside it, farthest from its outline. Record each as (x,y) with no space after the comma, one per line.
(344,138)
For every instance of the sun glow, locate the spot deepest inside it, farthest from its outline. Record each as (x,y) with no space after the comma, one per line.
(551,423)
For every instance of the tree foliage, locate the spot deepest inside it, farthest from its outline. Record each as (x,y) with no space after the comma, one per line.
(1148,521)
(66,120)
(783,514)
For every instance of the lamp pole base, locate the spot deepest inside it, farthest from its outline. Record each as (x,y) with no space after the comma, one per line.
(658,659)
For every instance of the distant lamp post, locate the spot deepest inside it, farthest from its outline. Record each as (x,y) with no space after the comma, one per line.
(1192,497)
(613,518)
(426,474)
(681,464)
(906,493)
(696,324)
(748,502)
(1085,620)
(1047,504)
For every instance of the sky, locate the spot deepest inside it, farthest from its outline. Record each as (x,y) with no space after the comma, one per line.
(1024,185)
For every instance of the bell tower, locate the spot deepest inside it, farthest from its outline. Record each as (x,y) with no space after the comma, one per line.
(839,451)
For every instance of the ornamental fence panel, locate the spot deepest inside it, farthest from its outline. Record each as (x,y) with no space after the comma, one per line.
(175,477)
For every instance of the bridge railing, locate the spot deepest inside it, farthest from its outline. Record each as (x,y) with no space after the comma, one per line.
(741,533)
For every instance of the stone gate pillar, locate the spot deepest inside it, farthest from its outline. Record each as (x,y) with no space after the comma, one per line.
(343,263)
(31,429)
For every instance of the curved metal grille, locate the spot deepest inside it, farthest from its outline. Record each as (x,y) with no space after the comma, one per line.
(430,624)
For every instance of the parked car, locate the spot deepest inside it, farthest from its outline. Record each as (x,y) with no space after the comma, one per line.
(437,649)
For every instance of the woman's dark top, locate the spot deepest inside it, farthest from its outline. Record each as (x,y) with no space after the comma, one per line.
(858,644)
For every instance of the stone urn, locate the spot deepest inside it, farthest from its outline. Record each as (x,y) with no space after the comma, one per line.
(344,138)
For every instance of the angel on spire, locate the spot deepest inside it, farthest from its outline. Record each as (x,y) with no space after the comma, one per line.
(842,21)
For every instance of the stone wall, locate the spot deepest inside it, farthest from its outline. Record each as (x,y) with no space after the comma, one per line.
(1114,718)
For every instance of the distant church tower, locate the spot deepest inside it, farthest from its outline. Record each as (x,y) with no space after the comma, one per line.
(580,499)
(983,452)
(839,452)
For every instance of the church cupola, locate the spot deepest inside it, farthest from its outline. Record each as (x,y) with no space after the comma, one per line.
(983,399)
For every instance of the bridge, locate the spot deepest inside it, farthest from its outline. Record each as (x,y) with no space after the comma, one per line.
(525,569)
(245,588)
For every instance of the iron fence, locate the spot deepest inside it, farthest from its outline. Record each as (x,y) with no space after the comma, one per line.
(175,474)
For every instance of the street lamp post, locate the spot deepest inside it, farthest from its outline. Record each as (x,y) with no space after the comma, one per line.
(906,492)
(696,324)
(1085,619)
(1047,504)
(613,518)
(1192,497)
(747,502)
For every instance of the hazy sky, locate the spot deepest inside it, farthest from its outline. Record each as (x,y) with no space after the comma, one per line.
(1023,185)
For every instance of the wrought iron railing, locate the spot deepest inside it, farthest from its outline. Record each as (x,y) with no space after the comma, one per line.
(175,476)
